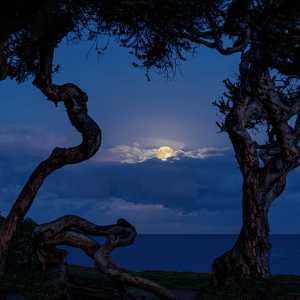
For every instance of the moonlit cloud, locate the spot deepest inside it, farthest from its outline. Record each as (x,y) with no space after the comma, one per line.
(125,154)
(189,195)
(135,154)
(201,153)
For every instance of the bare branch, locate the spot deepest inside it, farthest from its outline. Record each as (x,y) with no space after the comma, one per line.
(243,145)
(72,230)
(199,41)
(267,94)
(75,101)
(218,44)
(101,263)
(230,50)
(267,151)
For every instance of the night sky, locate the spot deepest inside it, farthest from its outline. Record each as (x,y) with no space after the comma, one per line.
(197,190)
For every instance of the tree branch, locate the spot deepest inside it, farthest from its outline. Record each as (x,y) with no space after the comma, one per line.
(296,131)
(286,81)
(102,264)
(254,111)
(72,230)
(266,153)
(199,41)
(75,101)
(235,125)
(230,50)
(295,109)
(218,44)
(267,94)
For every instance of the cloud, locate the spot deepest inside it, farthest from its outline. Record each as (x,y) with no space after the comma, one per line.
(125,154)
(37,141)
(192,190)
(188,184)
(33,140)
(186,181)
(147,218)
(202,153)
(177,196)
(135,154)
(22,148)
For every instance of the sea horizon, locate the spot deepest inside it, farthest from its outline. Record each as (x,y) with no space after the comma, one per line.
(191,252)
(210,234)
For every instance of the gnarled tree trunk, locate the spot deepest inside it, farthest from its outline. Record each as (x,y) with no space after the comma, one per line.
(75,101)
(257,99)
(249,258)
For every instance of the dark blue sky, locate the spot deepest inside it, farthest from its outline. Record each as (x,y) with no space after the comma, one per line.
(198,190)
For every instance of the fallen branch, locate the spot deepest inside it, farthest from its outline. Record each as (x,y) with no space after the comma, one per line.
(74,231)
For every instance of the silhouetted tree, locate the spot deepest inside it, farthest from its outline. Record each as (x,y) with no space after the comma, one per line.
(27,49)
(266,33)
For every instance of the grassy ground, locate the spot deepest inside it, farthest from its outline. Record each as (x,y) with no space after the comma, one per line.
(189,281)
(276,287)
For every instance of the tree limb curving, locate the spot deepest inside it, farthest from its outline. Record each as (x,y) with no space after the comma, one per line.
(72,230)
(75,101)
(230,50)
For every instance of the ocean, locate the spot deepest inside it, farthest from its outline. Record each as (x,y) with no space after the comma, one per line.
(191,252)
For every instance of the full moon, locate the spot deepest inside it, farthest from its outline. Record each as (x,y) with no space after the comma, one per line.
(164,152)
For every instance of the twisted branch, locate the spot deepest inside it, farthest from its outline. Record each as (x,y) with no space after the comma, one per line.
(72,231)
(268,96)
(75,101)
(230,50)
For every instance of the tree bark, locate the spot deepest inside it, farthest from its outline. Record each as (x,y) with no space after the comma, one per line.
(75,231)
(74,100)
(249,258)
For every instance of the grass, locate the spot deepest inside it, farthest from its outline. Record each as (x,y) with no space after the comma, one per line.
(86,271)
(290,282)
(246,290)
(276,287)
(189,281)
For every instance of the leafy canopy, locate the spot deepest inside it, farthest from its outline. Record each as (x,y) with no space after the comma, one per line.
(158,32)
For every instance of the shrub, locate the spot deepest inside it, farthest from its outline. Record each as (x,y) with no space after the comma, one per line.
(23,271)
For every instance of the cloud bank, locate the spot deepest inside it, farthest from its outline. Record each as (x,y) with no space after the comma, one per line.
(194,191)
(136,154)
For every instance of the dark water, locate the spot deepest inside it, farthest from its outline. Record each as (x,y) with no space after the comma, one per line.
(195,252)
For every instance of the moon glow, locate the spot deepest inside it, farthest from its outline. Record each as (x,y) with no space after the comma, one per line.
(164,152)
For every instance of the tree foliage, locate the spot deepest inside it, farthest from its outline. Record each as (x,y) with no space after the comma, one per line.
(24,271)
(159,33)
(288,91)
